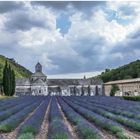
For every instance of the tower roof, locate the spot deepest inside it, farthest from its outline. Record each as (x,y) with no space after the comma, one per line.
(38,64)
(38,67)
(38,71)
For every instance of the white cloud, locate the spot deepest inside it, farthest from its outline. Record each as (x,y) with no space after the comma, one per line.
(87,46)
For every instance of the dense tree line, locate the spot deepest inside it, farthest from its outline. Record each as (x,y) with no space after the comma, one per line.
(128,71)
(8,80)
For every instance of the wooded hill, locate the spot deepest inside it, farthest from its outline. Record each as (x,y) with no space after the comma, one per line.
(19,70)
(128,71)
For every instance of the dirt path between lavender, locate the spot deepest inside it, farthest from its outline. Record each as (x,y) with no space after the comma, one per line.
(45,125)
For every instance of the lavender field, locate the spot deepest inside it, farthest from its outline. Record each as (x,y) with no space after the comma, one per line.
(85,117)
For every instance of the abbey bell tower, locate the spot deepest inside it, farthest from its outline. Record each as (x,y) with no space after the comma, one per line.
(38,67)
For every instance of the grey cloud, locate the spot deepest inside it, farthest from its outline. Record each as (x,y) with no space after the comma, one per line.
(8,6)
(60,5)
(132,43)
(127,10)
(88,47)
(87,58)
(65,65)
(85,5)
(74,65)
(63,5)
(135,35)
(89,50)
(22,21)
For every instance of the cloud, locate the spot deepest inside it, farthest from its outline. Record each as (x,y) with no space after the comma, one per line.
(59,5)
(8,6)
(25,20)
(71,37)
(62,5)
(135,34)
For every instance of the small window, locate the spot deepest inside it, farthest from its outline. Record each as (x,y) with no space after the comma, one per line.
(39,91)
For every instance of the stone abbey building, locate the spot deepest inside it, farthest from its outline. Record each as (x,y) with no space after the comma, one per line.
(128,87)
(39,84)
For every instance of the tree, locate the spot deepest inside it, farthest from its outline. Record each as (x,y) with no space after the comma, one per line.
(8,80)
(5,79)
(114,89)
(13,81)
(89,91)
(107,70)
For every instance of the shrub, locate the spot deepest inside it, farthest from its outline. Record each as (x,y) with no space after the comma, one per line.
(114,89)
(133,98)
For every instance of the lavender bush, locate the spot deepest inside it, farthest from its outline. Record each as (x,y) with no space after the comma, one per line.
(84,129)
(115,109)
(33,124)
(103,122)
(13,121)
(132,123)
(57,128)
(7,113)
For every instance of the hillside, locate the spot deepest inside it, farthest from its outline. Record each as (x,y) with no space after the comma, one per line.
(131,70)
(20,71)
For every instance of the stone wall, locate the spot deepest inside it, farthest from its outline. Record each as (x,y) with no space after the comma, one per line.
(65,87)
(125,89)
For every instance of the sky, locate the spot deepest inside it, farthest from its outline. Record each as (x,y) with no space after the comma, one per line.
(70,39)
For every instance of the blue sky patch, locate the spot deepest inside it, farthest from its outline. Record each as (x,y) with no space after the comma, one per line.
(63,23)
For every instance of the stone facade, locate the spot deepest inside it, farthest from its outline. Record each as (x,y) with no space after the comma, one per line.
(130,87)
(39,84)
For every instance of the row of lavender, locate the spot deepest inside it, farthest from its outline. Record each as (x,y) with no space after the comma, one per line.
(33,124)
(57,126)
(111,110)
(83,128)
(86,114)
(97,119)
(18,110)
(30,113)
(118,108)
(13,116)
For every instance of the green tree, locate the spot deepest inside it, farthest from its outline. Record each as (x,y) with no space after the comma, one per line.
(114,89)
(107,70)
(5,79)
(8,80)
(13,82)
(89,91)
